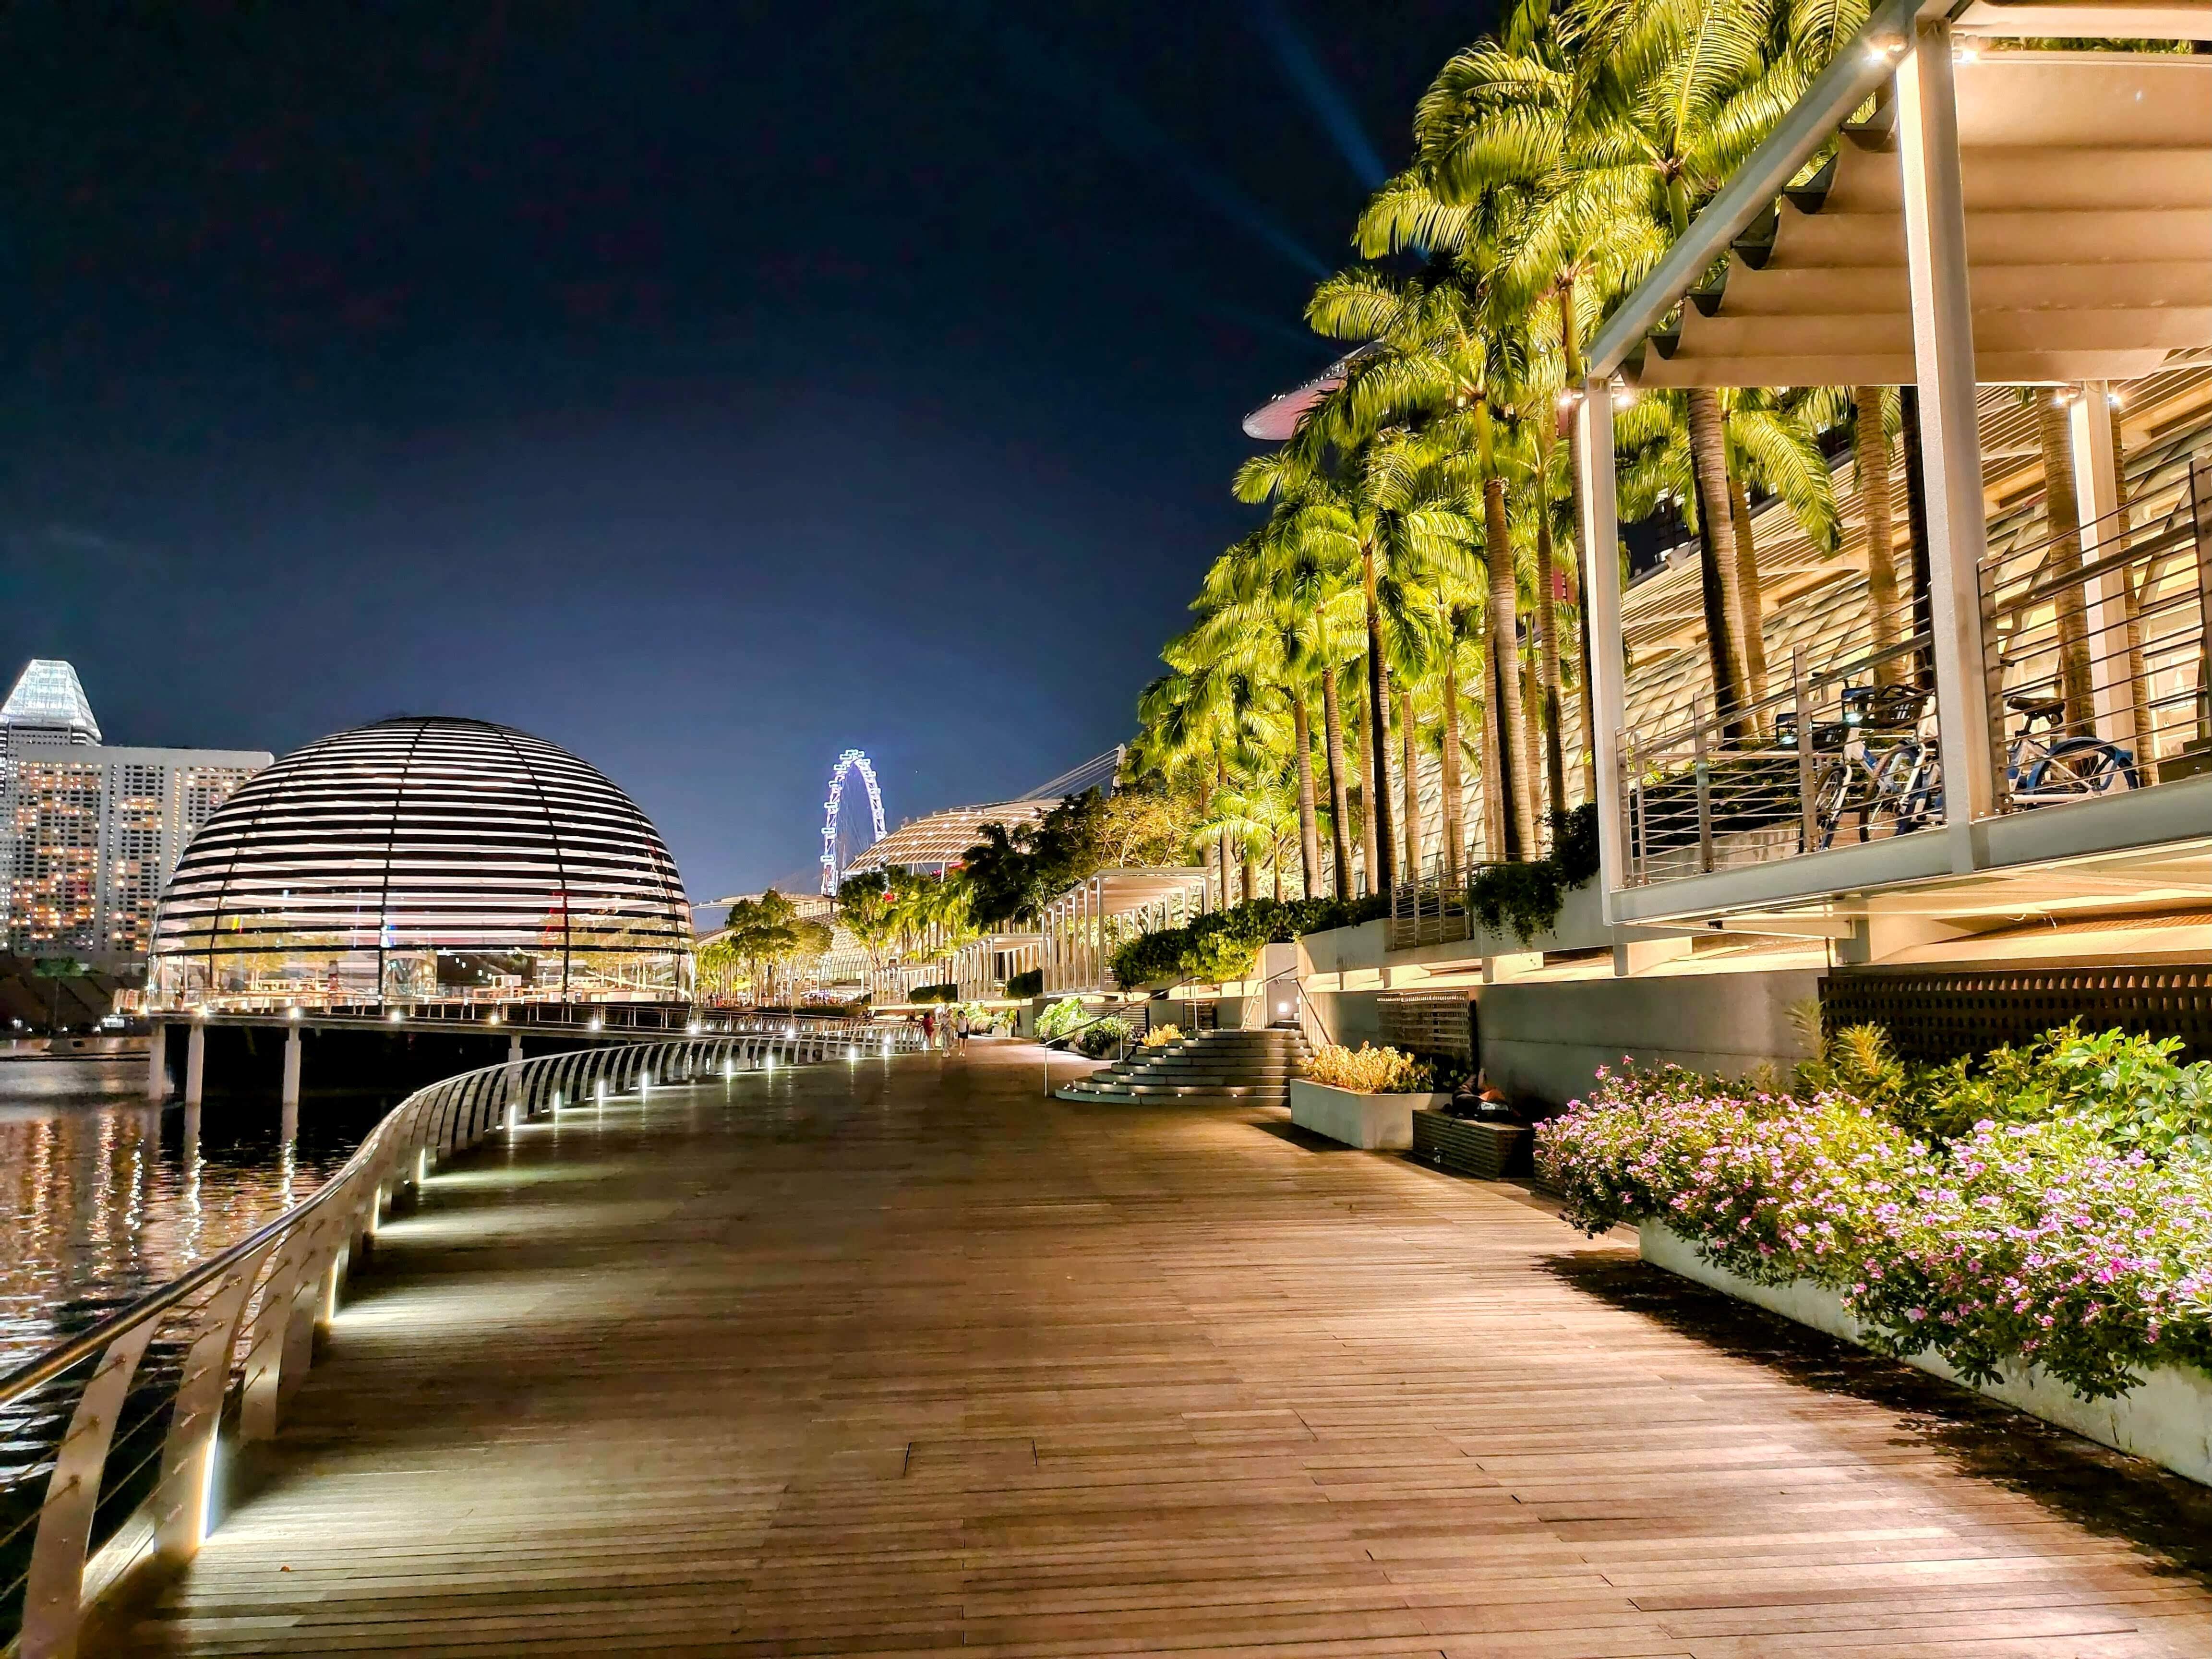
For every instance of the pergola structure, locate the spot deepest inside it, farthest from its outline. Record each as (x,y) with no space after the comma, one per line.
(2001,217)
(1083,925)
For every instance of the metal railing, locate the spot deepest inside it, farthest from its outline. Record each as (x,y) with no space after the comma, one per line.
(2098,662)
(121,1422)
(2098,654)
(1429,911)
(1311,1026)
(1843,755)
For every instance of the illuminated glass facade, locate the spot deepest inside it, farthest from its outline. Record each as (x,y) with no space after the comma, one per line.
(424,860)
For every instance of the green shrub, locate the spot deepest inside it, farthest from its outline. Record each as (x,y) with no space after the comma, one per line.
(1102,1039)
(934,994)
(1224,944)
(1060,1018)
(1028,984)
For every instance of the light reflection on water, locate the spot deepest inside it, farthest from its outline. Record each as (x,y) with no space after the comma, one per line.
(104,1197)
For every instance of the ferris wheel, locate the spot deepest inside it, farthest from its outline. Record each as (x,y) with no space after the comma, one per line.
(852,760)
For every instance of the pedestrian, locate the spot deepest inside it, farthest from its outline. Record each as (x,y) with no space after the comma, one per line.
(929,1028)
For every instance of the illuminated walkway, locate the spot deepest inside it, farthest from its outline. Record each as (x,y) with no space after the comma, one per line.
(907,1359)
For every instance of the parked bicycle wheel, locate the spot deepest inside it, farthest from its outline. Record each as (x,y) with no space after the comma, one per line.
(1900,793)
(1831,798)
(2077,767)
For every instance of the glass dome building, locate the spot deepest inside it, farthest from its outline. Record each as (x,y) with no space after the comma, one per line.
(422,861)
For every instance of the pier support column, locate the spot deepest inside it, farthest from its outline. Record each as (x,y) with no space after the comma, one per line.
(195,1063)
(157,1062)
(290,1096)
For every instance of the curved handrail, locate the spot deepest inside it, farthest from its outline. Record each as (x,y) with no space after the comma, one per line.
(250,1312)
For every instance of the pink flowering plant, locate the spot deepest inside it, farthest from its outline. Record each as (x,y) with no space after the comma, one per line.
(2078,1237)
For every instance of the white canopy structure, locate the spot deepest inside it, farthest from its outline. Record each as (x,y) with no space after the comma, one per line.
(2086,179)
(2003,217)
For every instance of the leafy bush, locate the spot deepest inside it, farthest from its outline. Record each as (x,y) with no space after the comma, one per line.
(934,994)
(1367,1071)
(1160,1036)
(1028,984)
(1224,944)
(1060,1018)
(1102,1039)
(1574,844)
(2071,1225)
(1526,897)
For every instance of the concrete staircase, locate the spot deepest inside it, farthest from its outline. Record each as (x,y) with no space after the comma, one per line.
(1206,1068)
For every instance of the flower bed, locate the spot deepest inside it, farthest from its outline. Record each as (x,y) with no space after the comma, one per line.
(2070,1228)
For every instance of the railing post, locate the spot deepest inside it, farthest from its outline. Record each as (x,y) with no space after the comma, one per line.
(53,1588)
(1701,771)
(2200,525)
(181,1501)
(1808,809)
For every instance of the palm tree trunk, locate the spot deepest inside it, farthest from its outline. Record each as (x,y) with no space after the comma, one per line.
(1916,521)
(1547,637)
(1570,351)
(1221,840)
(1717,548)
(1494,811)
(1531,702)
(1870,449)
(1454,804)
(1410,781)
(1751,622)
(1505,681)
(1364,736)
(2062,525)
(1309,830)
(2132,605)
(1340,810)
(1248,872)
(1378,716)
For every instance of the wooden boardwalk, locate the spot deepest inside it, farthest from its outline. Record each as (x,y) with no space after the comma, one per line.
(903,1358)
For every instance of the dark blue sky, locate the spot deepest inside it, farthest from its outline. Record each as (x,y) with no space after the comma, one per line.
(706,388)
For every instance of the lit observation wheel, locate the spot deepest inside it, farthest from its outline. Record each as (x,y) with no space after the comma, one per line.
(852,760)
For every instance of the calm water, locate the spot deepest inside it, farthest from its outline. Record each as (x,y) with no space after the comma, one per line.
(103,1197)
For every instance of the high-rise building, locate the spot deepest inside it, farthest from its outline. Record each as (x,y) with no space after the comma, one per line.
(89,834)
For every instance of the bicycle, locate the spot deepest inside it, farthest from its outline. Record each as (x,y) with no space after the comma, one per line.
(1904,791)
(1875,752)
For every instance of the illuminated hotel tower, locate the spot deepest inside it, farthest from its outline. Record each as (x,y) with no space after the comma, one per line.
(89,834)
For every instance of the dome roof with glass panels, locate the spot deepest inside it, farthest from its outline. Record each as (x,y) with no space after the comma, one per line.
(423,859)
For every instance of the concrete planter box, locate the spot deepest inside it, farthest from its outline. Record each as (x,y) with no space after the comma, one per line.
(1468,1147)
(1370,1122)
(2167,1420)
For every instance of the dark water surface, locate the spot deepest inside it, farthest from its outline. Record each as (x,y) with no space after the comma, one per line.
(104,1197)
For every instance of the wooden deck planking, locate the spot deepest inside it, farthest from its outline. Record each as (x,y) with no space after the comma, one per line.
(903,1359)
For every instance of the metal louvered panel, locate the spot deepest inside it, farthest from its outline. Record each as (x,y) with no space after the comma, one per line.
(1427,1022)
(1943,1016)
(411,856)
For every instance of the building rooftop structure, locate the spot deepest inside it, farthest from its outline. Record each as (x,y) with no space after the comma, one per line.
(48,702)
(424,859)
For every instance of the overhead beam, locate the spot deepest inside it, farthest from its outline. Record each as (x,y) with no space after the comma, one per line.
(1849,78)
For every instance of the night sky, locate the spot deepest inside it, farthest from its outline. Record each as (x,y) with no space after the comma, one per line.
(707,389)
